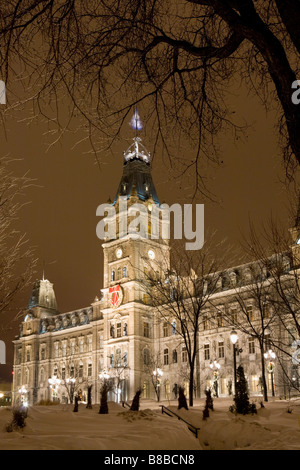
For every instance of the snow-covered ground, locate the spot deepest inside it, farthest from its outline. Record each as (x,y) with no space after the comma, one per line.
(57,427)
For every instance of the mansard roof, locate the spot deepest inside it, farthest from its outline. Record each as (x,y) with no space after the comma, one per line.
(43,295)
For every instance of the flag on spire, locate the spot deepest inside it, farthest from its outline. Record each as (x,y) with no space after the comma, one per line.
(136,122)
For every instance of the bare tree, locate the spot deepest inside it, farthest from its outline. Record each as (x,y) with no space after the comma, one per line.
(16,258)
(175,59)
(152,367)
(277,283)
(256,316)
(179,298)
(72,379)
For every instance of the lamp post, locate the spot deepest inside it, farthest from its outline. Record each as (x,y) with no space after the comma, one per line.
(271,366)
(70,382)
(157,373)
(54,382)
(215,366)
(234,338)
(23,392)
(103,375)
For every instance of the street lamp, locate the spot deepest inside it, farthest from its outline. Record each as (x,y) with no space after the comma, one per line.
(271,366)
(54,382)
(157,375)
(234,338)
(23,392)
(71,382)
(215,366)
(103,375)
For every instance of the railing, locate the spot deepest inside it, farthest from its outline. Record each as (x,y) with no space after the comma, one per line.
(171,413)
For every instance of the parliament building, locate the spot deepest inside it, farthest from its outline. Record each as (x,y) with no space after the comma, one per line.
(118,336)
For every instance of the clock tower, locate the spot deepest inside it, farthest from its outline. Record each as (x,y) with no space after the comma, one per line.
(137,252)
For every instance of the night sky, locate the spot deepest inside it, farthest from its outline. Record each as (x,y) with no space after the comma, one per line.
(60,217)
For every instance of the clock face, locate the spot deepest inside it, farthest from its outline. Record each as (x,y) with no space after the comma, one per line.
(151,254)
(119,253)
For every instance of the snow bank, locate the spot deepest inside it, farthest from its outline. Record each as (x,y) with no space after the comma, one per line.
(58,427)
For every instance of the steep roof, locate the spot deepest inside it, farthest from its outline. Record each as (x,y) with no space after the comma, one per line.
(137,174)
(43,295)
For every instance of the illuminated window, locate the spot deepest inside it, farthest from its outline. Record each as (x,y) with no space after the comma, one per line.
(221,349)
(205,323)
(166,357)
(251,345)
(220,322)
(234,316)
(146,330)
(206,352)
(249,312)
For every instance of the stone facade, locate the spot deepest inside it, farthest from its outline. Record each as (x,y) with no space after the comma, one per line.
(120,333)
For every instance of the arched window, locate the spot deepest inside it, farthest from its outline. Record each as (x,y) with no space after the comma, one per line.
(125,271)
(113,275)
(173,325)
(119,273)
(90,369)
